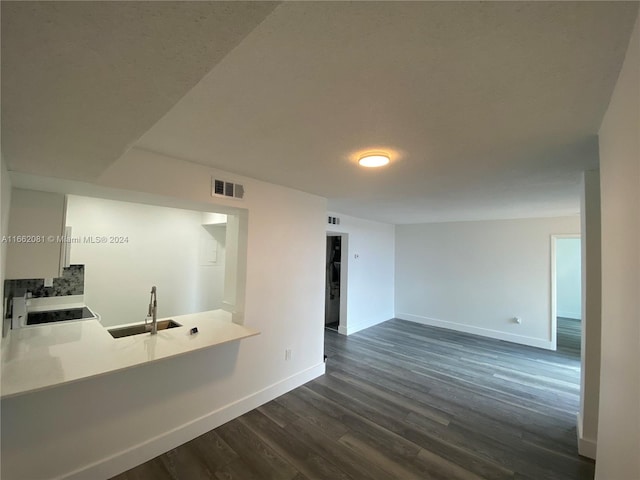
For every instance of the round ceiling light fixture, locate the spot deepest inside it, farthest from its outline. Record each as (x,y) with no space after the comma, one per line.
(373,160)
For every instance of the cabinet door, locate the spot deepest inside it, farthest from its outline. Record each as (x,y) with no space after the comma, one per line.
(38,218)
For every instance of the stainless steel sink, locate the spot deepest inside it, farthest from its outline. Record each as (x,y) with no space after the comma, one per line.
(141,328)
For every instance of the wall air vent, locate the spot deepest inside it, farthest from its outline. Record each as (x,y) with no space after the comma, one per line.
(222,188)
(333,220)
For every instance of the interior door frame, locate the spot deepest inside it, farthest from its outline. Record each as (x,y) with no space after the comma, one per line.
(344,269)
(554,281)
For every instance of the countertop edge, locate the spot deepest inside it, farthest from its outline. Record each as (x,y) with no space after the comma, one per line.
(20,368)
(121,369)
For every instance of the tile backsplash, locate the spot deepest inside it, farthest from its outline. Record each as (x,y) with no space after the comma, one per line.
(70,283)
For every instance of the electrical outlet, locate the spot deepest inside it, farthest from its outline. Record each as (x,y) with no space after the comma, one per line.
(287,354)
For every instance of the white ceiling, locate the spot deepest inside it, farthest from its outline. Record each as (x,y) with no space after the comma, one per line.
(490,110)
(81,81)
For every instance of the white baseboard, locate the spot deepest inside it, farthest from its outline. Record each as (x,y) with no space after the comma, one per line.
(151,448)
(349,329)
(484,332)
(586,446)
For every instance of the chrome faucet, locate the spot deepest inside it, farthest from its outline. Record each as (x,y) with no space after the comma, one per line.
(153,311)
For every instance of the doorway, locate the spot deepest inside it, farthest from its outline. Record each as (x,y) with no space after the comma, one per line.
(567,304)
(333,288)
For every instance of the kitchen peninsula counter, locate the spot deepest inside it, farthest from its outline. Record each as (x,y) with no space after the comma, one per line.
(45,356)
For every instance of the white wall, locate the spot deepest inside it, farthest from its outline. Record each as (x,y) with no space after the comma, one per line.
(368,263)
(5,203)
(619,417)
(569,278)
(587,420)
(105,425)
(162,248)
(477,276)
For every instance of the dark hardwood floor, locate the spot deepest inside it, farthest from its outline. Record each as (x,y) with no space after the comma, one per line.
(403,401)
(569,335)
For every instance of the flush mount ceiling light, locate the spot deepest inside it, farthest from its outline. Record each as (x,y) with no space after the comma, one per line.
(372,160)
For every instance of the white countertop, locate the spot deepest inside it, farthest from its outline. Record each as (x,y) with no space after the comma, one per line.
(41,357)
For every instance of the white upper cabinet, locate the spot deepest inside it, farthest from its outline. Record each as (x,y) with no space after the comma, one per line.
(36,225)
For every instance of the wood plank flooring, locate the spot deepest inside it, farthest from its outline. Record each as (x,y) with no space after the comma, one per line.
(403,401)
(569,335)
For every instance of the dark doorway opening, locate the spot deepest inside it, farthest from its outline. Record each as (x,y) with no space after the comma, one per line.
(332,284)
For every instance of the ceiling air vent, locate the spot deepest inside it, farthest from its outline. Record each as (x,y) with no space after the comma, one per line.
(222,188)
(218,187)
(333,220)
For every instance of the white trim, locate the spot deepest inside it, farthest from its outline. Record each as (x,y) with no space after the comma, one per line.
(586,446)
(553,314)
(151,448)
(350,329)
(485,332)
(344,281)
